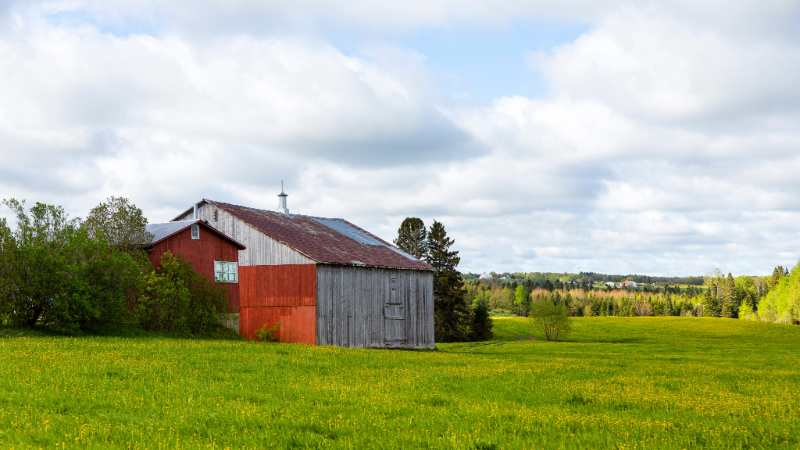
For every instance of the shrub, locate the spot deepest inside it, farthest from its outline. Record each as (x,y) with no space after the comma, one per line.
(177,298)
(53,273)
(268,334)
(554,320)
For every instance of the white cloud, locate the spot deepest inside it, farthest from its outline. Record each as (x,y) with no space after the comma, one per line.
(668,143)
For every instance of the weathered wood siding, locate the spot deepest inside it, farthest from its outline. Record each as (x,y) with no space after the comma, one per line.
(202,253)
(285,294)
(261,250)
(357,307)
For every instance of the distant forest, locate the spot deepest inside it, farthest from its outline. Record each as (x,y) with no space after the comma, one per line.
(539,278)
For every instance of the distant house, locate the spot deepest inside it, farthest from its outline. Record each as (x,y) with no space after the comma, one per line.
(486,276)
(630,284)
(327,281)
(505,277)
(610,284)
(212,253)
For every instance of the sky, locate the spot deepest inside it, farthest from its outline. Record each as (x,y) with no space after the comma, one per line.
(658,138)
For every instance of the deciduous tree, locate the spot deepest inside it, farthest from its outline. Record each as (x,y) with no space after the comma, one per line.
(120,221)
(554,320)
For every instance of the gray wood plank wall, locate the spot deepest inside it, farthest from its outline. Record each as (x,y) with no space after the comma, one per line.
(261,249)
(357,307)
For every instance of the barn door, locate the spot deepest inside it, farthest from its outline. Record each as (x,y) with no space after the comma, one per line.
(394,314)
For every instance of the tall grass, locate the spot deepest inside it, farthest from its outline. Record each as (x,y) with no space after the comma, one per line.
(655,383)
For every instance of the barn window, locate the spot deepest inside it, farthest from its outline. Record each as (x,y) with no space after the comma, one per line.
(226,272)
(394,283)
(195,231)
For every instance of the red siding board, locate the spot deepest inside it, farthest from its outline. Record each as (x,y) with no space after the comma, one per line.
(286,293)
(202,253)
(298,323)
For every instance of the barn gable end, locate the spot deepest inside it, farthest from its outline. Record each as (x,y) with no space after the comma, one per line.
(261,250)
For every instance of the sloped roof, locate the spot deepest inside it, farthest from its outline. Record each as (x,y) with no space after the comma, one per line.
(161,231)
(329,241)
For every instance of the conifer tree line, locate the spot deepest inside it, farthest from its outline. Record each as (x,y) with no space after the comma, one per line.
(93,275)
(455,320)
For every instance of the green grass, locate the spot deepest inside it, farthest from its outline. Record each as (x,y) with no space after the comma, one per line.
(663,382)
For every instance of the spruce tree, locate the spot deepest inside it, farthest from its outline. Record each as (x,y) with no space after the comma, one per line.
(452,317)
(412,237)
(730,305)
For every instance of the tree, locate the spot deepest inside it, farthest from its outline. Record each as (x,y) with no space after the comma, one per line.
(481,329)
(34,261)
(554,320)
(120,221)
(412,237)
(451,314)
(712,304)
(522,300)
(730,302)
(52,273)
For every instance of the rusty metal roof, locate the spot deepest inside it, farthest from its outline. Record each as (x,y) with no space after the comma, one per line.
(328,241)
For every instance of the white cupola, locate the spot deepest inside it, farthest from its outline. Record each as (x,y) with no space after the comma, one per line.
(282,201)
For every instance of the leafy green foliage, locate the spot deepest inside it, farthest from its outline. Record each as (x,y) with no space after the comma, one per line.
(554,320)
(58,274)
(52,273)
(120,221)
(266,334)
(177,298)
(782,303)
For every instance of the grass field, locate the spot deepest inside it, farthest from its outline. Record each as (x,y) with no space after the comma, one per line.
(665,382)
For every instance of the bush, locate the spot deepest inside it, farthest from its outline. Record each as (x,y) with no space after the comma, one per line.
(267,334)
(178,299)
(52,273)
(554,320)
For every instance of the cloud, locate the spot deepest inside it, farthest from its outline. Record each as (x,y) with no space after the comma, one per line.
(666,144)
(657,67)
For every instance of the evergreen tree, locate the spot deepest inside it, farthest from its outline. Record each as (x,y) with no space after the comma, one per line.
(412,237)
(451,315)
(712,305)
(481,323)
(730,304)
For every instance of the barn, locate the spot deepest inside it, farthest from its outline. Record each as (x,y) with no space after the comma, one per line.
(327,281)
(212,253)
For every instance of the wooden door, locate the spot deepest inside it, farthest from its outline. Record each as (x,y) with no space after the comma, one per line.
(394,314)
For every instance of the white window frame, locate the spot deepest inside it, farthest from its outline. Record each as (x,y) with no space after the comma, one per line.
(226,272)
(196,232)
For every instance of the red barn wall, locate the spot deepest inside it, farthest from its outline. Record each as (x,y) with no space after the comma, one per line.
(202,253)
(286,294)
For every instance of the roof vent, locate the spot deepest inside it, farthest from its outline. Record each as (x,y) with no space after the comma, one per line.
(282,201)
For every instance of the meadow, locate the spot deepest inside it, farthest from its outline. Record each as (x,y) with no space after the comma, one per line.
(617,382)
